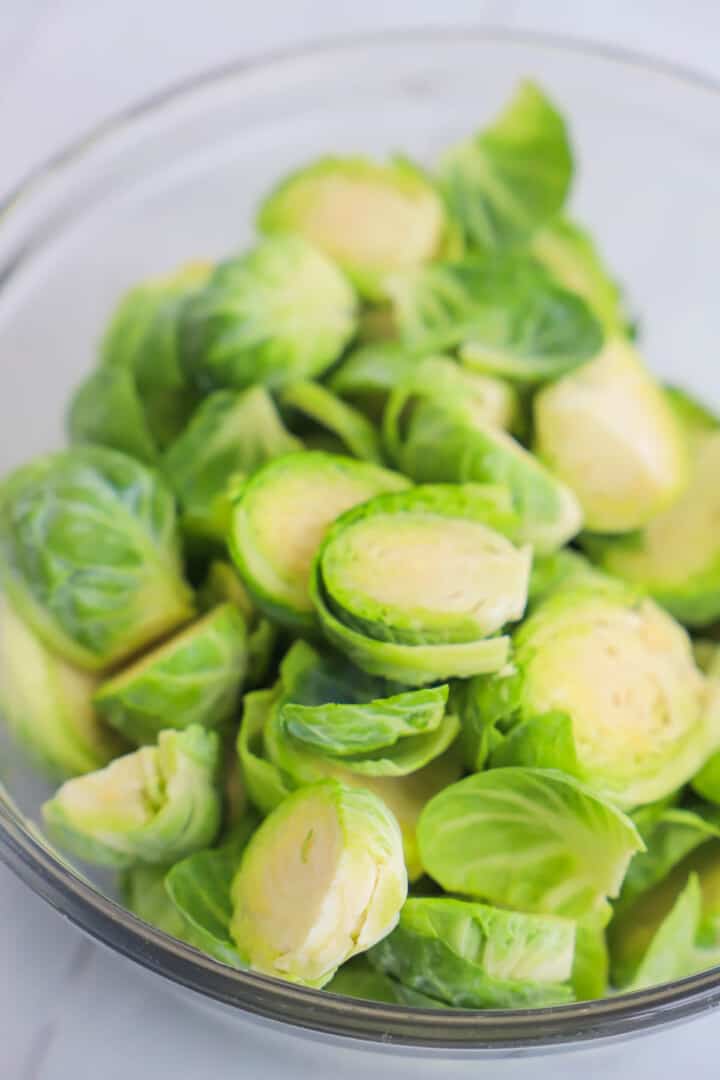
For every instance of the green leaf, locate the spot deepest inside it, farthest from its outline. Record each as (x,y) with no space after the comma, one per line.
(106,410)
(323,409)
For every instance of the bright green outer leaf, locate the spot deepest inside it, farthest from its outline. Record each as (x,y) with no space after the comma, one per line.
(477,957)
(358,980)
(368,217)
(589,979)
(265,784)
(427,566)
(609,433)
(229,436)
(322,879)
(89,554)
(142,338)
(530,839)
(198,888)
(504,182)
(639,715)
(369,372)
(434,434)
(47,704)
(504,311)
(561,570)
(194,678)
(223,584)
(568,252)
(154,805)
(281,517)
(676,557)
(106,410)
(343,730)
(142,889)
(279,313)
(320,406)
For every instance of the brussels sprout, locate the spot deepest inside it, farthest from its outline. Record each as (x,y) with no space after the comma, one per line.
(562,570)
(478,957)
(591,964)
(279,313)
(604,686)
(281,516)
(223,585)
(154,805)
(322,879)
(142,339)
(265,784)
(106,410)
(358,980)
(369,372)
(530,839)
(89,555)
(351,431)
(435,431)
(194,678)
(229,436)
(369,218)
(47,704)
(676,557)
(610,434)
(504,182)
(505,312)
(568,252)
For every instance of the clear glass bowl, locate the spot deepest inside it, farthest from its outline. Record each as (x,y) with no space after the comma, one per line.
(178,178)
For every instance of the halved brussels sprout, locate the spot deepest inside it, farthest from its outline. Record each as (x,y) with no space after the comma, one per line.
(568,252)
(89,554)
(223,585)
(142,338)
(107,410)
(322,879)
(194,678)
(368,217)
(47,704)
(279,313)
(435,431)
(676,557)
(529,839)
(352,431)
(604,686)
(504,182)
(229,436)
(477,957)
(281,516)
(505,312)
(155,805)
(610,434)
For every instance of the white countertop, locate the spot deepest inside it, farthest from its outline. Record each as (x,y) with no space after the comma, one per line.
(69,1008)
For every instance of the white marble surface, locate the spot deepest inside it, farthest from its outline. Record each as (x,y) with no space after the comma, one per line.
(67,1007)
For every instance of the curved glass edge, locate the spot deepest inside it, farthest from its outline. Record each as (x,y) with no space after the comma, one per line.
(48,875)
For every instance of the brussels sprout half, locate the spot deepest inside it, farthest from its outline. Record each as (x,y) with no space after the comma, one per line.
(608,432)
(279,313)
(604,686)
(89,554)
(370,218)
(322,879)
(47,704)
(477,957)
(676,557)
(281,516)
(194,678)
(154,805)
(435,431)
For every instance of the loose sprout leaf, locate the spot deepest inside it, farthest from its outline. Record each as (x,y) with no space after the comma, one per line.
(47,703)
(504,182)
(154,805)
(265,784)
(106,410)
(194,678)
(358,979)
(608,432)
(279,313)
(505,312)
(321,880)
(530,839)
(229,437)
(589,979)
(223,584)
(281,516)
(142,889)
(322,408)
(367,217)
(89,554)
(474,956)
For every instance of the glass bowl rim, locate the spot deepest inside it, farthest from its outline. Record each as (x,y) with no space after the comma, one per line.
(116,927)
